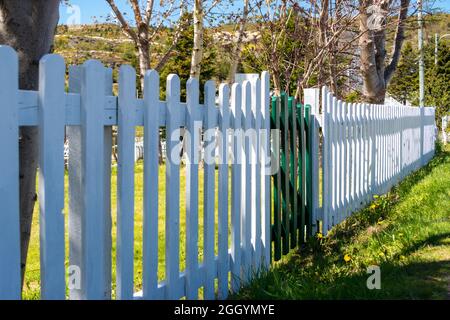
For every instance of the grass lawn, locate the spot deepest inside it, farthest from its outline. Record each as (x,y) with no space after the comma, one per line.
(32,276)
(406,233)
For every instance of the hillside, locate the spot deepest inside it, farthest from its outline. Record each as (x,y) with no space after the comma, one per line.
(107,42)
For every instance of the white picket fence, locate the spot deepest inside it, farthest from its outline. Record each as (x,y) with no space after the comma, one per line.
(88,111)
(366,149)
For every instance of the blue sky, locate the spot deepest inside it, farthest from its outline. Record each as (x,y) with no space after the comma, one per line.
(88,9)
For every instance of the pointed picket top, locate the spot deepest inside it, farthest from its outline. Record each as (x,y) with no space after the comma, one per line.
(151,183)
(173,186)
(125,182)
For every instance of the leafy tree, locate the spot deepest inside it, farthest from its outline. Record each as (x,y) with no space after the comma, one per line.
(404,85)
(437,80)
(405,82)
(180,60)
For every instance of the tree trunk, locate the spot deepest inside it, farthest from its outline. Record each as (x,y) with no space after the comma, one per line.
(197,51)
(375,73)
(28,26)
(372,55)
(236,53)
(144,61)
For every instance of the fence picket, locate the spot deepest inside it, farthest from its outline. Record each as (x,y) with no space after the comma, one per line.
(224,124)
(326,160)
(125,182)
(256,174)
(236,196)
(173,123)
(51,176)
(246,180)
(209,185)
(10,281)
(92,188)
(151,183)
(107,153)
(192,153)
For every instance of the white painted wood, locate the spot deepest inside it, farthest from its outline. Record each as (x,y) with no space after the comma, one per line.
(349,128)
(334,161)
(173,186)
(265,171)
(366,175)
(366,150)
(224,124)
(52,71)
(246,180)
(341,178)
(92,188)
(192,142)
(10,282)
(372,133)
(359,156)
(256,174)
(236,188)
(209,194)
(326,160)
(354,160)
(125,183)
(151,183)
(345,161)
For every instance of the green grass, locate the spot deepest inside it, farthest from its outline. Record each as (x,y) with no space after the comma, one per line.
(32,276)
(406,233)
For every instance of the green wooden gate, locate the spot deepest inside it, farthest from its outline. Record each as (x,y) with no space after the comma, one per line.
(291,184)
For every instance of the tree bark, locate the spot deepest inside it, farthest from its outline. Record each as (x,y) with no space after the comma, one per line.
(28,26)
(197,51)
(144,61)
(375,74)
(237,50)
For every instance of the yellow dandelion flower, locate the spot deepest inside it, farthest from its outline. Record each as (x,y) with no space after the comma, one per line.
(319,235)
(373,206)
(347,258)
(375,196)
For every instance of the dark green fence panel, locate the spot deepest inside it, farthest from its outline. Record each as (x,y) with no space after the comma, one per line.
(276,184)
(291,185)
